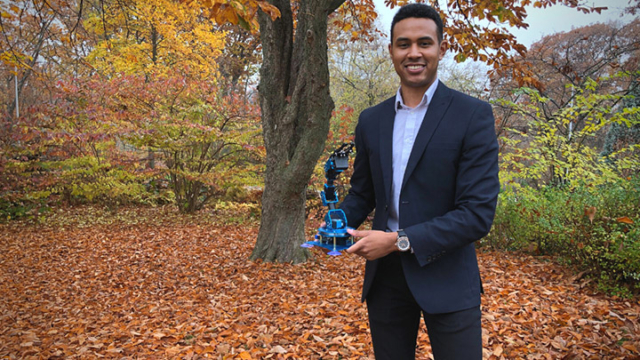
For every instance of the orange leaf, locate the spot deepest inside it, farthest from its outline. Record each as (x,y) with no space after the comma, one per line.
(231,16)
(269,9)
(625,220)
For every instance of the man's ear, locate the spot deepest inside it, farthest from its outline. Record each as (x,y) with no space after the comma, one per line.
(391,49)
(444,46)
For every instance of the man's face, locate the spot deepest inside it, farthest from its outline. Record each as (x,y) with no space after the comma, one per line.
(416,52)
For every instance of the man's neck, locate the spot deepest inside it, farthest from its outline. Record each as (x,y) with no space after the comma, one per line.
(411,96)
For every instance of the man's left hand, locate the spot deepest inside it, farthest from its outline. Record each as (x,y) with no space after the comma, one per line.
(373,244)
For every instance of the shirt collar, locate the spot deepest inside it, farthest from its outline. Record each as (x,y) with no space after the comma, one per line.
(426,98)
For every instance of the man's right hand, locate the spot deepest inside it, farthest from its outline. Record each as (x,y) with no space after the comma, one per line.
(373,244)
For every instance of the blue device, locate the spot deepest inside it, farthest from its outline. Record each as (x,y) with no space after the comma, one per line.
(333,236)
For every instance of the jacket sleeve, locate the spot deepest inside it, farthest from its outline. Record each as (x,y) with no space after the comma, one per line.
(360,200)
(476,191)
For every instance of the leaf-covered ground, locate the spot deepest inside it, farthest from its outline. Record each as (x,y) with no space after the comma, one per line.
(149,284)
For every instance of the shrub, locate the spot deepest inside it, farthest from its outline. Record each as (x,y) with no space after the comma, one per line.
(592,227)
(562,195)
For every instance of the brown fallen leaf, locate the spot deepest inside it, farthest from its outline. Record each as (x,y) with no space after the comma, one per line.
(498,350)
(278,350)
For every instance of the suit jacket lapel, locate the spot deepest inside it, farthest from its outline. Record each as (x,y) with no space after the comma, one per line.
(437,108)
(387,118)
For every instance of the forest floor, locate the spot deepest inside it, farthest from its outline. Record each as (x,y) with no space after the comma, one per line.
(147,283)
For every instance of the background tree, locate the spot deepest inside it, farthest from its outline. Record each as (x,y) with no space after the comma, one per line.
(41,42)
(177,104)
(620,136)
(361,72)
(240,59)
(149,82)
(151,37)
(565,64)
(469,77)
(570,58)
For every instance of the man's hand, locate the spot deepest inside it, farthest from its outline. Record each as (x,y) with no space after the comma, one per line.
(374,243)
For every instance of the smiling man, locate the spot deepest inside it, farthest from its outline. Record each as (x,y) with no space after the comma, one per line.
(427,162)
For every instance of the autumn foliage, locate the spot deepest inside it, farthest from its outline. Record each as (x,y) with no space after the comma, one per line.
(146,118)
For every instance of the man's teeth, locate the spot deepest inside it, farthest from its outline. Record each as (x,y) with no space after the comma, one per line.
(415,67)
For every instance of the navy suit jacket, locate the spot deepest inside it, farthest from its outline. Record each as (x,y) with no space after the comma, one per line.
(447,200)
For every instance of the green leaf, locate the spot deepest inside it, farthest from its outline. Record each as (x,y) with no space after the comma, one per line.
(244,24)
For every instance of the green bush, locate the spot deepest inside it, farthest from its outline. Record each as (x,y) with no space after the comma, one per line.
(11,210)
(562,194)
(593,227)
(86,179)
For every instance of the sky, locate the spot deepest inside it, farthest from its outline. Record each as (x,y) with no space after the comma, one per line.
(543,21)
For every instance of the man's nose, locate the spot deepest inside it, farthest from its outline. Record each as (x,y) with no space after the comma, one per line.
(414,51)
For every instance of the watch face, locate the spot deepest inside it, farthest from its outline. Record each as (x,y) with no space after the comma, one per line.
(403,244)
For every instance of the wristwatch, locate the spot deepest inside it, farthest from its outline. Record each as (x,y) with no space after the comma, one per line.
(402,241)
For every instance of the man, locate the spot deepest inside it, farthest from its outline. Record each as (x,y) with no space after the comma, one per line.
(427,162)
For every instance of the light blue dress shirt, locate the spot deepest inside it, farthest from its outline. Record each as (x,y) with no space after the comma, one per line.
(405,130)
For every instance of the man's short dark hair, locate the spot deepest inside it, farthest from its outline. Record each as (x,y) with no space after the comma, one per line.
(418,11)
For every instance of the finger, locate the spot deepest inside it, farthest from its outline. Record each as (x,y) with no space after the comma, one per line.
(354,248)
(356,233)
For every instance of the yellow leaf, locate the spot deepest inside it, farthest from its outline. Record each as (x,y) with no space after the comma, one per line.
(347,27)
(245,355)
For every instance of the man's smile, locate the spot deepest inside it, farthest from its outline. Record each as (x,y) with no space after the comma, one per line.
(415,68)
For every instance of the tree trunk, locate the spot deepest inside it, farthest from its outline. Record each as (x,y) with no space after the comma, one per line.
(296,108)
(282,226)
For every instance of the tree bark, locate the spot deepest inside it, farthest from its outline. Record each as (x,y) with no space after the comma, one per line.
(296,108)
